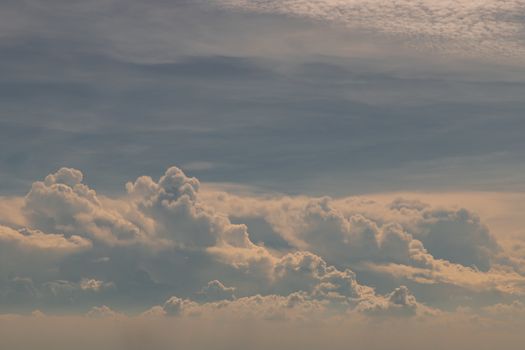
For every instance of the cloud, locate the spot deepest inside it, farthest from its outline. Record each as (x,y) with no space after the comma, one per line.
(443,25)
(459,330)
(74,292)
(10,211)
(61,203)
(454,235)
(399,302)
(355,229)
(94,285)
(153,228)
(33,253)
(439,245)
(102,312)
(173,204)
(34,241)
(298,306)
(169,237)
(215,290)
(443,272)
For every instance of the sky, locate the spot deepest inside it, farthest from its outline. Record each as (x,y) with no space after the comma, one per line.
(201,174)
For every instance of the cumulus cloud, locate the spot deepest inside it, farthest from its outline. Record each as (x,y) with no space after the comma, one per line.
(399,302)
(62,203)
(364,229)
(404,238)
(298,306)
(215,290)
(163,222)
(102,312)
(173,204)
(168,239)
(33,253)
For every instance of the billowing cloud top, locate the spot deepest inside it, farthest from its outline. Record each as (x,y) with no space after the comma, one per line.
(172,249)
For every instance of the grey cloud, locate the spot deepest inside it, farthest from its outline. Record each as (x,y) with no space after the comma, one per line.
(23,250)
(346,231)
(101,312)
(389,239)
(458,236)
(373,118)
(178,242)
(398,303)
(297,306)
(305,271)
(440,25)
(170,237)
(215,290)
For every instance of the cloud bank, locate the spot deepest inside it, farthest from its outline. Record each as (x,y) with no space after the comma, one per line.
(170,248)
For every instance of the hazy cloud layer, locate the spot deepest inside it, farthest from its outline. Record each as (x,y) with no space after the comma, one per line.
(103,328)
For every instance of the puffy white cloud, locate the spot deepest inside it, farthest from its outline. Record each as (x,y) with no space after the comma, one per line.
(399,302)
(102,312)
(215,290)
(296,306)
(455,235)
(179,215)
(407,239)
(61,203)
(354,229)
(169,237)
(66,176)
(304,271)
(167,221)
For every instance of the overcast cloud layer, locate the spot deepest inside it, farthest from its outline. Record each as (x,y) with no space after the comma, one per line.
(327,97)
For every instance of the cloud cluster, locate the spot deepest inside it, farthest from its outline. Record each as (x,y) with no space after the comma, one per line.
(404,238)
(171,248)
